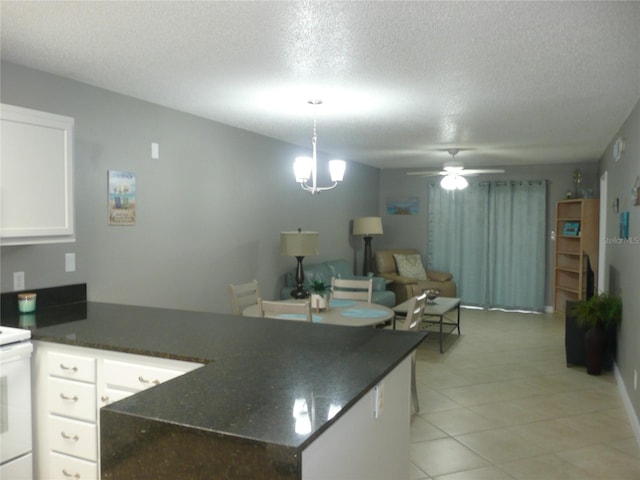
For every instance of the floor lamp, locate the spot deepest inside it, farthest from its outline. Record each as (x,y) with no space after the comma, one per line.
(299,244)
(367,226)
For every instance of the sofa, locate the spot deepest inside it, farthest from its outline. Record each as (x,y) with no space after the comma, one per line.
(407,286)
(339,269)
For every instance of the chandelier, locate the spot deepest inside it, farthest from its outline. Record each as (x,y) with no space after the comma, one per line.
(306,168)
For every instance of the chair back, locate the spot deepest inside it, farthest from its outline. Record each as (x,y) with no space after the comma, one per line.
(243,295)
(415,312)
(350,289)
(276,309)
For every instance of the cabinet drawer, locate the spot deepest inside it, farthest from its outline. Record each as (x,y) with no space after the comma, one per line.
(73,437)
(136,377)
(76,367)
(65,467)
(72,399)
(110,395)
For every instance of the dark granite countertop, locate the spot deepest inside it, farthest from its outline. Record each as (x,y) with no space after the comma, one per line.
(255,368)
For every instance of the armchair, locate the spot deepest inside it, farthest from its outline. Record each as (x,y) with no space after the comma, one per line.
(406,287)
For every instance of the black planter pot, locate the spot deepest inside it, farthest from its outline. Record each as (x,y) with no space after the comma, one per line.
(595,341)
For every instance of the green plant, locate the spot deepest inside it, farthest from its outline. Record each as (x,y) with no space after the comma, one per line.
(320,288)
(602,310)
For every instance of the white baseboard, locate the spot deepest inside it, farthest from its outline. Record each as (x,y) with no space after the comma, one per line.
(633,418)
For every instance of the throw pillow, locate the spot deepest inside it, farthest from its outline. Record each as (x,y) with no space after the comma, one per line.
(410,266)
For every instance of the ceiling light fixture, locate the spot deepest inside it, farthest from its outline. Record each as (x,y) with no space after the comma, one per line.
(306,168)
(453,180)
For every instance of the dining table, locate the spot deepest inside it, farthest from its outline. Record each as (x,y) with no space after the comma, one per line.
(348,313)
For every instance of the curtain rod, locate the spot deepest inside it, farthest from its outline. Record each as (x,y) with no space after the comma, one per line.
(506,182)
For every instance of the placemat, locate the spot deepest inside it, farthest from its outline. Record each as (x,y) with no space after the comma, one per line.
(341,303)
(364,313)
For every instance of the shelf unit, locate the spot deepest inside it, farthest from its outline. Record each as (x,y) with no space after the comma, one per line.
(572,251)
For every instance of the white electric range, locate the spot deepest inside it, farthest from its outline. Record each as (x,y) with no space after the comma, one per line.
(15,404)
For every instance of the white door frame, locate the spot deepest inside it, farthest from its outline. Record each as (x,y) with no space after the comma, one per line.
(602,247)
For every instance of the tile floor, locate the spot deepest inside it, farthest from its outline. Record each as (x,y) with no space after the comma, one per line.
(500,403)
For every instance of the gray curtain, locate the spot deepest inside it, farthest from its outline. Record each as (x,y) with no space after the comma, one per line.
(491,236)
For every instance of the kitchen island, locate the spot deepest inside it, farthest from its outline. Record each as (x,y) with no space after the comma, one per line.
(275,399)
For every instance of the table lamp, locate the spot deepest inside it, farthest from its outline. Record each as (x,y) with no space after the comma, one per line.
(299,244)
(367,226)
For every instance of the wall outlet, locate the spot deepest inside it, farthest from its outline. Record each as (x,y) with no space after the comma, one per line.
(155,151)
(18,281)
(69,262)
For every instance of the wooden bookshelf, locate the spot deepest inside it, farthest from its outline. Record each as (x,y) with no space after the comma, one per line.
(572,250)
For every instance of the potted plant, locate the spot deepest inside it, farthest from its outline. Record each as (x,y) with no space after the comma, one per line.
(319,294)
(601,315)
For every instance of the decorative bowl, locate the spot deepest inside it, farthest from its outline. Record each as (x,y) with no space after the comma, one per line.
(432,294)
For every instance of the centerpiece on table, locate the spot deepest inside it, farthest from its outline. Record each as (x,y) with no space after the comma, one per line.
(320,293)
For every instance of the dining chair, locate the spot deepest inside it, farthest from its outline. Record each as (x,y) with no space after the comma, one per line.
(352,289)
(287,310)
(243,295)
(411,322)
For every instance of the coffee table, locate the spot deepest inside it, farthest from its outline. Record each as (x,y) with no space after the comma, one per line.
(439,308)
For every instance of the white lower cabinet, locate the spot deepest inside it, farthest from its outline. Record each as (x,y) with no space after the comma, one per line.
(64,466)
(70,385)
(73,437)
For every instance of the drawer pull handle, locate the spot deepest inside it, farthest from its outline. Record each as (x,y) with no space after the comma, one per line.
(70,475)
(104,398)
(64,397)
(141,379)
(75,438)
(64,367)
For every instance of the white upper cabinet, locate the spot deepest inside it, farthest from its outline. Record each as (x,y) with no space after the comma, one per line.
(36,177)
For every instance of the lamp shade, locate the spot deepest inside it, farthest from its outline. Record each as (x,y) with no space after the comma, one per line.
(367,226)
(299,244)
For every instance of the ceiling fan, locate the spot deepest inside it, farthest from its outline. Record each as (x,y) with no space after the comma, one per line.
(453,172)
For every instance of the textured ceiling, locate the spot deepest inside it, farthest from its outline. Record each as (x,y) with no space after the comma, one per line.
(508,83)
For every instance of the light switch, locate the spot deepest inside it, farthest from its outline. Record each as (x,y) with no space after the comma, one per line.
(18,281)
(69,262)
(155,151)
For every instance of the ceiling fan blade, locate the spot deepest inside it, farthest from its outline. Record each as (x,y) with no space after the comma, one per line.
(427,174)
(477,171)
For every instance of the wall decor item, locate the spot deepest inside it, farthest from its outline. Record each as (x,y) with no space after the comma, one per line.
(403,205)
(122,197)
(571,229)
(624,225)
(577,179)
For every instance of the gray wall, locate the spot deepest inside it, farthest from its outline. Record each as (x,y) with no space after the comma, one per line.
(209,211)
(411,230)
(623,258)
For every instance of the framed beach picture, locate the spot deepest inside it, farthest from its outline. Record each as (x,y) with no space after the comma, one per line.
(403,205)
(122,197)
(571,229)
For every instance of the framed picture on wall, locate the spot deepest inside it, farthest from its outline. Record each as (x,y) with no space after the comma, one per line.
(122,197)
(403,205)
(571,229)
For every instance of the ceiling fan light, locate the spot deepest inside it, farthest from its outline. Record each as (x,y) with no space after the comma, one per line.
(448,182)
(461,182)
(454,182)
